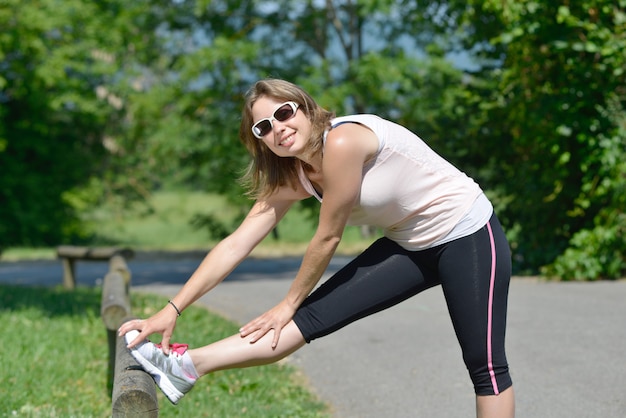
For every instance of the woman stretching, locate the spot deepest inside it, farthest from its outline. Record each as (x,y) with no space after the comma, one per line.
(439,229)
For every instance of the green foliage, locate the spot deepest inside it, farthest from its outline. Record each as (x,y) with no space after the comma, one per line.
(43,75)
(211,224)
(593,254)
(174,220)
(553,119)
(55,56)
(547,122)
(164,221)
(600,251)
(109,101)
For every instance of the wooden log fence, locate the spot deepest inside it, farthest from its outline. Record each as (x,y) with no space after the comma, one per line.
(115,305)
(133,392)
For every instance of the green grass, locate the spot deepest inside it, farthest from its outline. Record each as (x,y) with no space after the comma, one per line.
(24,253)
(55,359)
(165,223)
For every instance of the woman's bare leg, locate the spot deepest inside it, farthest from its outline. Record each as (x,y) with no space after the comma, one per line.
(237,352)
(496,406)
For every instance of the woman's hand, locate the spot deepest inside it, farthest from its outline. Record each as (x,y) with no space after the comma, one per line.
(163,322)
(274,319)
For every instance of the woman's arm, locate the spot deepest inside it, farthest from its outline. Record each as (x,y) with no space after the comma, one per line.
(227,254)
(217,264)
(347,149)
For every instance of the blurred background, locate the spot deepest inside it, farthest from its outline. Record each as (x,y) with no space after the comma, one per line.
(119,120)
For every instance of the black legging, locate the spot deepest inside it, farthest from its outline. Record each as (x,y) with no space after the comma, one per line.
(474,273)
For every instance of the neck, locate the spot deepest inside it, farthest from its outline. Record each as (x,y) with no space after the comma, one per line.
(313,164)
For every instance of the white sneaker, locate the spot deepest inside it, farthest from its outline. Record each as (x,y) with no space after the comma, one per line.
(174,374)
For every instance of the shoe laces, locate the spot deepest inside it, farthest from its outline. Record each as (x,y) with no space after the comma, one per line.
(176,348)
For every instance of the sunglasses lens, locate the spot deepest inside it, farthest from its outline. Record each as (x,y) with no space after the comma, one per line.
(284,112)
(263,127)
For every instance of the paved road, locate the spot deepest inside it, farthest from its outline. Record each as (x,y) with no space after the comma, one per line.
(566,342)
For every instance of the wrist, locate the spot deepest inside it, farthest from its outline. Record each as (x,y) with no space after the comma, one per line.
(173,305)
(293,304)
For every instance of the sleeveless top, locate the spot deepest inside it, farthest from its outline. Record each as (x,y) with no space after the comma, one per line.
(418,198)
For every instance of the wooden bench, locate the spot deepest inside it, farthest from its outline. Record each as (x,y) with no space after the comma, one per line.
(69,254)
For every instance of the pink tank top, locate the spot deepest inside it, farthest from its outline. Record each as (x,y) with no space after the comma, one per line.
(409,191)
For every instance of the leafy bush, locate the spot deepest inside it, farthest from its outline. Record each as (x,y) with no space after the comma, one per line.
(593,254)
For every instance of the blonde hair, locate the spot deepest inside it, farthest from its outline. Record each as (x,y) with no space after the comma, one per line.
(267,171)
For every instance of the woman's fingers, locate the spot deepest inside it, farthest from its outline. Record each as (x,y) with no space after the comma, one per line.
(274,319)
(165,345)
(162,323)
(134,324)
(276,337)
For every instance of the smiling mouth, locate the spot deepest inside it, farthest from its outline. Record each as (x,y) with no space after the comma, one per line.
(287,141)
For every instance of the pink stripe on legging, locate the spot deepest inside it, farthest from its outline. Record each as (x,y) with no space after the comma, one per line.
(492,280)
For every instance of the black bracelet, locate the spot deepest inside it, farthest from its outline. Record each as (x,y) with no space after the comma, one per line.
(174,306)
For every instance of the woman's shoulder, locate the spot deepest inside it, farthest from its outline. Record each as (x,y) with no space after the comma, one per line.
(358,125)
(365,119)
(352,137)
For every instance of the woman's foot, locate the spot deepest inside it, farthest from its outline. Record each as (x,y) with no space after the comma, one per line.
(175,373)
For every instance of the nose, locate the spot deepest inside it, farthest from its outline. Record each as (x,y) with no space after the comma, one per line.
(278,126)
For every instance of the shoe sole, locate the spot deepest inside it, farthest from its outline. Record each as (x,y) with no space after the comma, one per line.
(160,378)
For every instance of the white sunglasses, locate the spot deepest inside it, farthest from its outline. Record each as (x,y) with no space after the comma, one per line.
(284,112)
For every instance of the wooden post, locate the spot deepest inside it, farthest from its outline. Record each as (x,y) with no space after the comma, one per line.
(69,273)
(117,263)
(115,304)
(114,307)
(112,341)
(134,391)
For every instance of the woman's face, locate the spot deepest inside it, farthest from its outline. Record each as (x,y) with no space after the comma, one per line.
(287,138)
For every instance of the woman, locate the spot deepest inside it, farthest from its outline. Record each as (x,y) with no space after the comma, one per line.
(439,228)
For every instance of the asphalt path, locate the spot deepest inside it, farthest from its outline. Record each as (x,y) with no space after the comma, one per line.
(566,342)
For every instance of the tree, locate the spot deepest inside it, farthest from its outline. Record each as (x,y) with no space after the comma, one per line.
(353,63)
(549,80)
(49,121)
(59,61)
(563,93)
(556,123)
(536,115)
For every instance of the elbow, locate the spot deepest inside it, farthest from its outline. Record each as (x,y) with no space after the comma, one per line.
(233,248)
(328,241)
